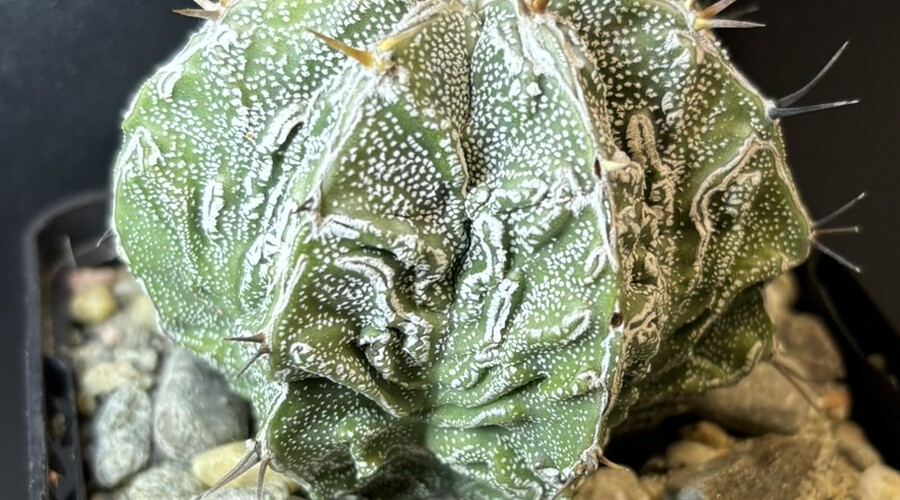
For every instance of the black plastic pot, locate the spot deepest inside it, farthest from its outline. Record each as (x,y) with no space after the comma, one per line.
(65,237)
(862,333)
(74,235)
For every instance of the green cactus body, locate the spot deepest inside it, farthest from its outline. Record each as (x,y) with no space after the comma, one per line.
(474,246)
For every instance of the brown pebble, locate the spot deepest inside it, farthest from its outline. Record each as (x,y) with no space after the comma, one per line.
(88,277)
(707,433)
(854,446)
(653,465)
(836,401)
(763,402)
(110,335)
(654,485)
(611,484)
(878,482)
(687,453)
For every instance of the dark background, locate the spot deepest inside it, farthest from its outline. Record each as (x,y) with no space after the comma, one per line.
(67,69)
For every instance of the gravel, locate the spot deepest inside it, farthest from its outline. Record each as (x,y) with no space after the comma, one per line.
(122,430)
(760,438)
(195,409)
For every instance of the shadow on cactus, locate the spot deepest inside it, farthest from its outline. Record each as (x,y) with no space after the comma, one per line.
(461,239)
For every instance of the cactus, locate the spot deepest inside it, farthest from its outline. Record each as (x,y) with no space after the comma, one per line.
(458,241)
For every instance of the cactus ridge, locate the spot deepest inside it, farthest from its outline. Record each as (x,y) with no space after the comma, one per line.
(459,241)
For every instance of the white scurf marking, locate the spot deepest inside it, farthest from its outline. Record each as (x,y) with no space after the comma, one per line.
(281,126)
(497,313)
(576,325)
(211,204)
(596,263)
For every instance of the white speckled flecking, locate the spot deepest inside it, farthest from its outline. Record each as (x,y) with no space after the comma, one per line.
(475,235)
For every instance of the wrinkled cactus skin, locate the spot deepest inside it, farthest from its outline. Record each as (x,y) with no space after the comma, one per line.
(501,232)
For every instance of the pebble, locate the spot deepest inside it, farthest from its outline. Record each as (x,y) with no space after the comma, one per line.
(126,288)
(878,482)
(611,484)
(104,377)
(144,359)
(804,339)
(835,400)
(654,485)
(122,430)
(779,296)
(195,409)
(836,479)
(853,445)
(132,327)
(141,313)
(764,401)
(92,305)
(212,465)
(122,351)
(268,493)
(707,433)
(686,453)
(170,480)
(109,335)
(767,467)
(656,464)
(88,354)
(88,277)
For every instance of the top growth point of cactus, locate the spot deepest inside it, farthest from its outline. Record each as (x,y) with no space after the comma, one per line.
(468,237)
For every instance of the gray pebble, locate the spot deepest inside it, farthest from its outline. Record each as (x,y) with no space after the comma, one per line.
(805,340)
(122,433)
(170,480)
(144,359)
(764,401)
(768,467)
(195,409)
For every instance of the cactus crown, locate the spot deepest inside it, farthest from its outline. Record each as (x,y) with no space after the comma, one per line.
(470,236)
